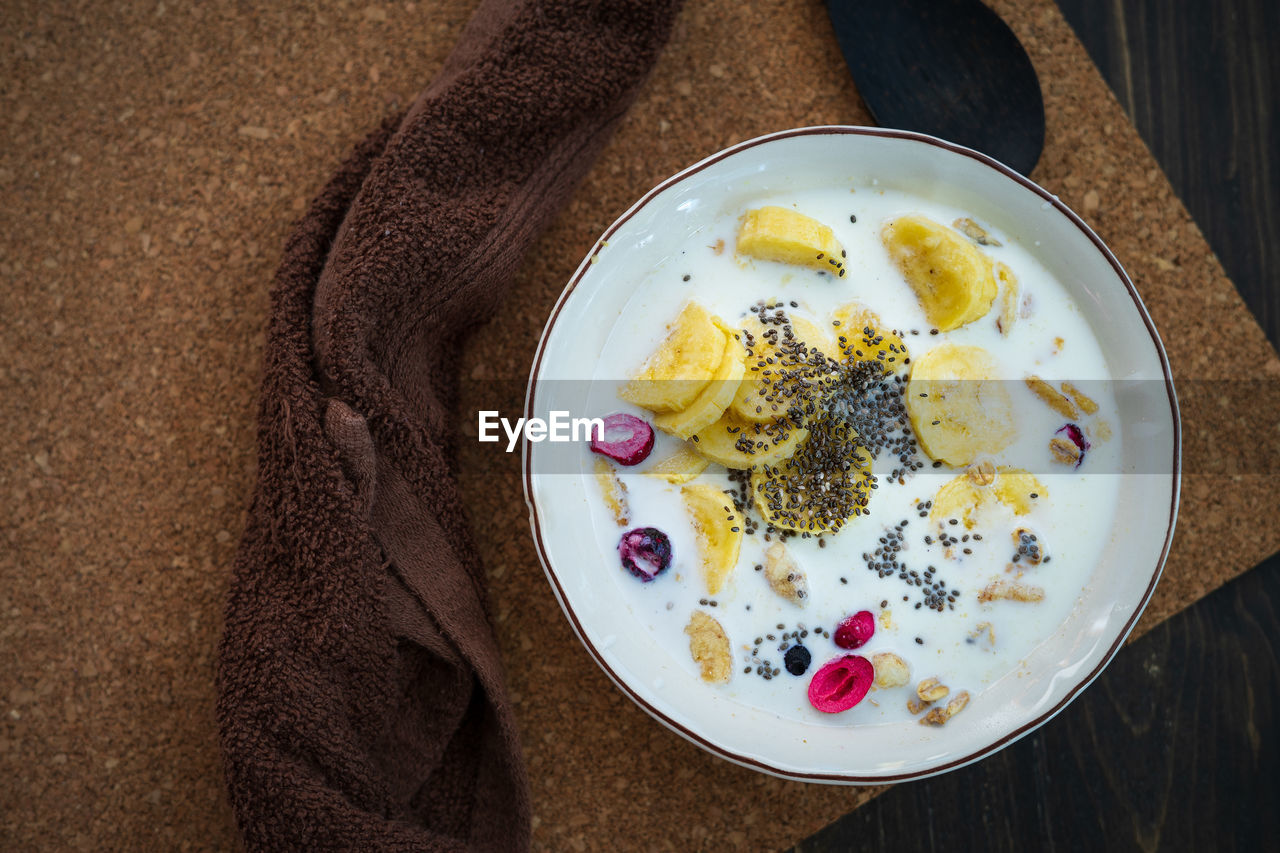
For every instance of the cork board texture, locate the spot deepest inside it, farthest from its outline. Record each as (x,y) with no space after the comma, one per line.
(155,156)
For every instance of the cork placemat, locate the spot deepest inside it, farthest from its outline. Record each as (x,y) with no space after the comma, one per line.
(155,157)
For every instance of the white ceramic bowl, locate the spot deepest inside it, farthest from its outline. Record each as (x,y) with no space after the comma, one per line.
(1121,584)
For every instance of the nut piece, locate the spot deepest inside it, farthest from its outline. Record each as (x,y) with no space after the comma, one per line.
(709,646)
(988,628)
(974,232)
(982,473)
(1064,451)
(915,706)
(957,703)
(891,670)
(939,716)
(1050,395)
(1083,400)
(930,690)
(935,717)
(1010,591)
(784,575)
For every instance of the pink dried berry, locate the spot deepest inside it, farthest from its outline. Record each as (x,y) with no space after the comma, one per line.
(855,630)
(1077,438)
(625,439)
(645,552)
(840,684)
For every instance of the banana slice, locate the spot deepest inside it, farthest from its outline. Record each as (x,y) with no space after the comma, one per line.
(818,489)
(975,490)
(1018,489)
(682,365)
(736,443)
(680,467)
(772,351)
(958,409)
(718,531)
(782,234)
(710,404)
(862,336)
(951,277)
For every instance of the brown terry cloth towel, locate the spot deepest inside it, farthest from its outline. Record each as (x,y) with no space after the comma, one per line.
(361,703)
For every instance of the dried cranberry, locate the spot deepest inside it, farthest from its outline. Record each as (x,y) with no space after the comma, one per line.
(840,684)
(1077,438)
(855,630)
(625,439)
(645,552)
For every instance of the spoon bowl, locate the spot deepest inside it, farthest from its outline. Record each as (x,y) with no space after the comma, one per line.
(949,68)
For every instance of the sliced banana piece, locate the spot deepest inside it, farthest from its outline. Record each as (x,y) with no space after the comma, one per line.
(736,443)
(682,365)
(958,409)
(711,402)
(819,488)
(781,234)
(773,351)
(862,336)
(964,497)
(680,467)
(951,277)
(718,531)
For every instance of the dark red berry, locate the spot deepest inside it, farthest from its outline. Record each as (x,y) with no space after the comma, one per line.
(855,630)
(1077,438)
(840,684)
(645,552)
(625,439)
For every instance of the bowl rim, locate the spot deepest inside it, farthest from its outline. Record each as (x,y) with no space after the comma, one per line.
(1008,737)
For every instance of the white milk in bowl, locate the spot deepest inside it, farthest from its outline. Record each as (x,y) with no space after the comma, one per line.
(948,534)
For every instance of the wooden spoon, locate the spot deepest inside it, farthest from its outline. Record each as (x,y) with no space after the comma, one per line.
(949,68)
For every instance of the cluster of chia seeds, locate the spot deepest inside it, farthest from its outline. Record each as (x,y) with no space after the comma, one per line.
(788,642)
(1029,550)
(948,540)
(824,484)
(868,397)
(837,266)
(854,403)
(792,374)
(740,492)
(884,559)
(885,562)
(843,404)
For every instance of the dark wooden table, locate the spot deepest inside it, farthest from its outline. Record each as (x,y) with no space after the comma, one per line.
(1177,745)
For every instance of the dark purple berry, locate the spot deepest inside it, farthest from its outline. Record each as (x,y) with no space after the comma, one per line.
(797,660)
(645,552)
